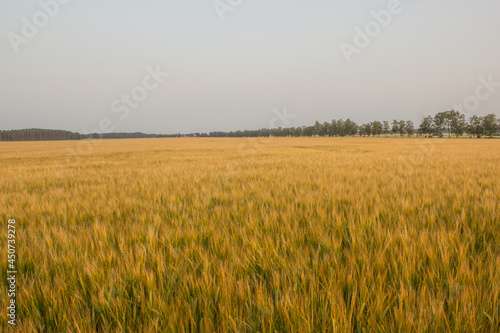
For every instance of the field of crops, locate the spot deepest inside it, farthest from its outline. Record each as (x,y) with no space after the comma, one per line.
(223,235)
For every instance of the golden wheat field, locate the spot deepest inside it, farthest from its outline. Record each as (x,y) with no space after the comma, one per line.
(254,235)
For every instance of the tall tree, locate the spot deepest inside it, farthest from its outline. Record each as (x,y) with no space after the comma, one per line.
(318,128)
(385,127)
(341,128)
(334,129)
(402,127)
(368,129)
(448,119)
(489,123)
(427,126)
(362,130)
(439,123)
(475,126)
(395,126)
(458,123)
(350,127)
(376,128)
(325,131)
(409,128)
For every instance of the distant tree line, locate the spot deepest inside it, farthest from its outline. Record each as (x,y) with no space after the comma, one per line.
(333,128)
(137,135)
(36,134)
(454,123)
(444,123)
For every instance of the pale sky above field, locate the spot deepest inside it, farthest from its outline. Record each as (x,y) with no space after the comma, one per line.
(230,74)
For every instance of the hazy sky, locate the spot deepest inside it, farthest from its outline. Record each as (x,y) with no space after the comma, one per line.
(87,56)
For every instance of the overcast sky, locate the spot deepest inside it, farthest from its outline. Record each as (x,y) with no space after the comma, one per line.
(230,62)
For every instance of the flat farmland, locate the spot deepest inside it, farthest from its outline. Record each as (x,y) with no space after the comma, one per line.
(257,235)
